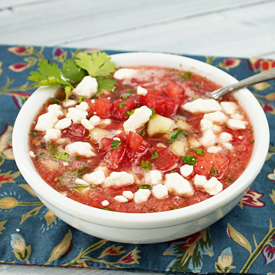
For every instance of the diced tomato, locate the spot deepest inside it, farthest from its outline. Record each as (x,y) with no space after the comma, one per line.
(162,105)
(211,164)
(100,107)
(76,131)
(176,92)
(119,107)
(167,160)
(105,144)
(122,136)
(113,158)
(136,146)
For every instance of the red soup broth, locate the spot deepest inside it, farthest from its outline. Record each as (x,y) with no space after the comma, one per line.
(215,145)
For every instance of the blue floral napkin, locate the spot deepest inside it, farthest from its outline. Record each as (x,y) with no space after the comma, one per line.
(241,242)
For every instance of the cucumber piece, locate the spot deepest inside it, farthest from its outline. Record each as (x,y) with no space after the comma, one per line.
(159,125)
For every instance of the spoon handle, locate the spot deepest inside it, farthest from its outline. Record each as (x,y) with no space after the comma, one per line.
(264,76)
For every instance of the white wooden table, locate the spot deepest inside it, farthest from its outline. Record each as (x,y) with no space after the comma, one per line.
(236,28)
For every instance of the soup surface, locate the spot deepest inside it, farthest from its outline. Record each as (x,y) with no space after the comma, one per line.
(155,142)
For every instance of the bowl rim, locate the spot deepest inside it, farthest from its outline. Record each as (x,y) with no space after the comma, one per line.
(141,220)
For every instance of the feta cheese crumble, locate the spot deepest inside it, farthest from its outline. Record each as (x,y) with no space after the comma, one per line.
(137,119)
(125,73)
(63,123)
(160,191)
(86,88)
(178,185)
(105,203)
(95,178)
(46,121)
(141,91)
(52,135)
(141,196)
(213,186)
(128,194)
(80,148)
(76,115)
(153,177)
(202,106)
(186,170)
(119,179)
(120,198)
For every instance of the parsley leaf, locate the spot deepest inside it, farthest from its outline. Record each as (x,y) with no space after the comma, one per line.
(129,113)
(124,96)
(199,152)
(145,186)
(80,172)
(48,74)
(153,111)
(104,83)
(116,144)
(155,155)
(213,171)
(187,75)
(62,156)
(146,165)
(189,159)
(121,104)
(72,71)
(96,64)
(174,135)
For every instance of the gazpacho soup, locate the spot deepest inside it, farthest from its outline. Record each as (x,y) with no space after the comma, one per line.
(137,139)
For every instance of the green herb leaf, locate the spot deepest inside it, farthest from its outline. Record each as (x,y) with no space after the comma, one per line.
(121,104)
(116,91)
(116,144)
(213,171)
(96,64)
(108,209)
(33,133)
(142,133)
(78,158)
(129,113)
(187,75)
(155,155)
(252,141)
(41,154)
(174,135)
(80,172)
(146,165)
(62,156)
(53,100)
(124,96)
(199,152)
(145,186)
(72,71)
(105,83)
(153,111)
(191,160)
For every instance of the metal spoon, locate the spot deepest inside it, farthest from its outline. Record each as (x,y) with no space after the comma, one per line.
(261,77)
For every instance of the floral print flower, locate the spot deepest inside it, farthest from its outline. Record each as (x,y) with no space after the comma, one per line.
(229,63)
(251,198)
(21,50)
(259,64)
(59,54)
(272,175)
(225,260)
(21,252)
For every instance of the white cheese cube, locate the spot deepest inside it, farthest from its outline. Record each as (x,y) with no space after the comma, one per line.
(228,145)
(137,119)
(80,148)
(76,115)
(56,109)
(52,135)
(229,108)
(86,124)
(69,103)
(202,106)
(125,73)
(186,170)
(32,155)
(236,124)
(128,194)
(119,179)
(178,185)
(86,88)
(142,196)
(95,120)
(46,121)
(199,180)
(213,186)
(217,129)
(63,123)
(206,125)
(81,182)
(216,117)
(141,91)
(120,198)
(95,178)
(105,122)
(225,137)
(214,149)
(208,138)
(160,191)
(153,177)
(83,106)
(237,116)
(105,203)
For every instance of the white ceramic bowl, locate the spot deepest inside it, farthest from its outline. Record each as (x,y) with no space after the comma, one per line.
(144,227)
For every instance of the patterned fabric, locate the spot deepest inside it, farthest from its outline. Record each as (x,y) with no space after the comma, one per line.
(241,242)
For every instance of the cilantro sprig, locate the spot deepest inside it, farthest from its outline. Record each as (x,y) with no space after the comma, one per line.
(96,65)
(191,160)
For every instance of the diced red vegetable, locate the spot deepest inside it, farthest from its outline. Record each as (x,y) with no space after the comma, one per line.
(77,131)
(119,107)
(113,158)
(176,91)
(100,107)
